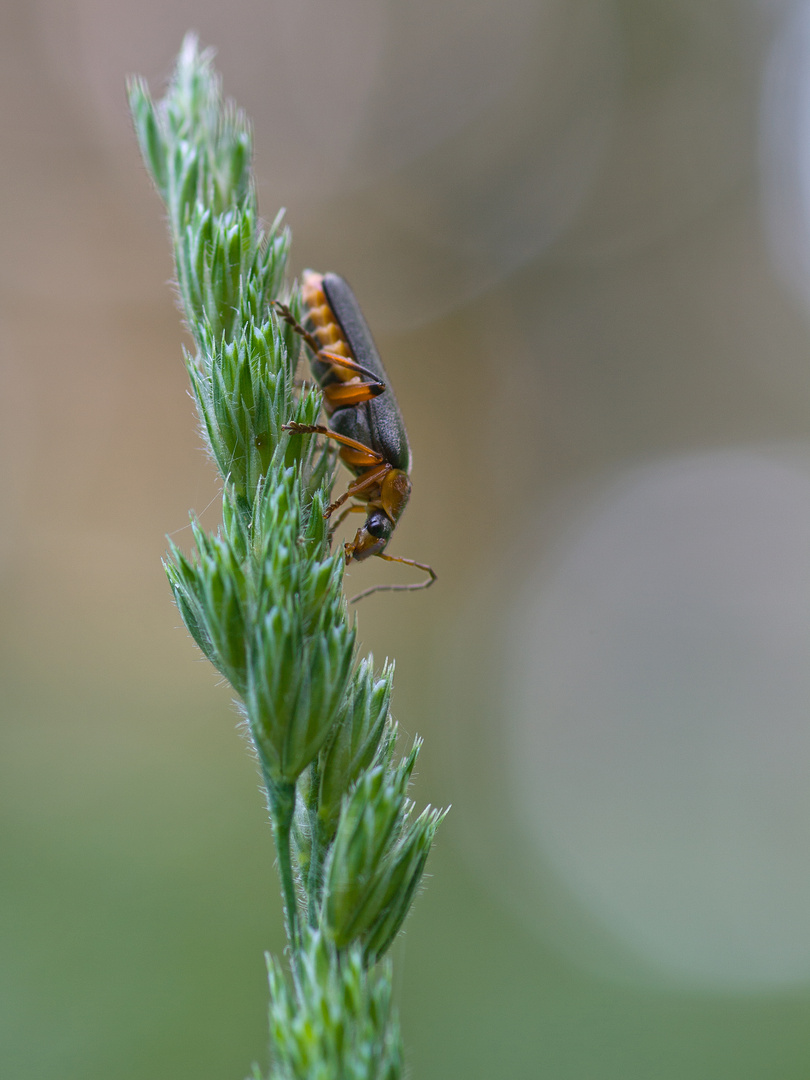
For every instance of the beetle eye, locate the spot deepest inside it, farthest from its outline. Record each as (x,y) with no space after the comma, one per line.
(378,525)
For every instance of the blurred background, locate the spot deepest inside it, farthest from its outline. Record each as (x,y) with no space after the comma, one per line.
(580,230)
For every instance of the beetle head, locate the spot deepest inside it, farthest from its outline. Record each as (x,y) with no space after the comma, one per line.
(383,514)
(372,537)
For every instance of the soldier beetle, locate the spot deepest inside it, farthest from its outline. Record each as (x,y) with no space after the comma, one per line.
(363,415)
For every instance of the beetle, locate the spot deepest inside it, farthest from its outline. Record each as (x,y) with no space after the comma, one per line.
(363,416)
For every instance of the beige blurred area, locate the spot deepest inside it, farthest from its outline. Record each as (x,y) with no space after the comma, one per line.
(580,230)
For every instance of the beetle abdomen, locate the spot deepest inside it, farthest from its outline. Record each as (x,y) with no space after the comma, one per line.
(326,329)
(338,324)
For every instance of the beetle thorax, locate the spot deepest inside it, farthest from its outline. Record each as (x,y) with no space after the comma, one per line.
(395,491)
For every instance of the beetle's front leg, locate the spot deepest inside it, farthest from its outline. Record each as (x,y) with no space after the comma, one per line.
(355,509)
(372,478)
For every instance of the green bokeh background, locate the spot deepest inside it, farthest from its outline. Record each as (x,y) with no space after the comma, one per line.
(551,213)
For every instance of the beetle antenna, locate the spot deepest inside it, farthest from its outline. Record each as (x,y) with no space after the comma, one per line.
(399,588)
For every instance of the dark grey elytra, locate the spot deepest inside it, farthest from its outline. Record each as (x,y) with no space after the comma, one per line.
(376,423)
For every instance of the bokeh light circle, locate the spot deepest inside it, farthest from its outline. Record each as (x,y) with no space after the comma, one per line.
(660,711)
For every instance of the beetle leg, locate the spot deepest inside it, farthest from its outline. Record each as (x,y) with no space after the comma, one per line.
(288,317)
(399,588)
(356,508)
(349,362)
(333,358)
(365,456)
(374,476)
(339,395)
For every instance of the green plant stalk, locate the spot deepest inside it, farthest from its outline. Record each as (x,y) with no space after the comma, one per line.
(315,870)
(281,803)
(263,599)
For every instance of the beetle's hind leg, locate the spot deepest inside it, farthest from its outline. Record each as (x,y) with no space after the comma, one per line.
(286,314)
(326,356)
(339,395)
